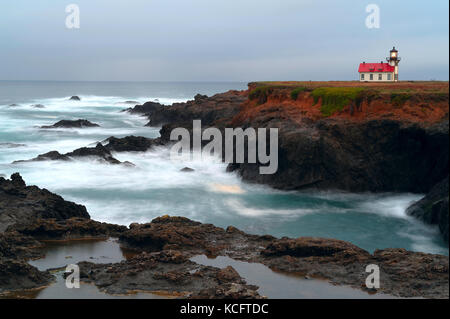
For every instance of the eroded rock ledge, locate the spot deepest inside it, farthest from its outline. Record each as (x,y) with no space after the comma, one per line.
(163,249)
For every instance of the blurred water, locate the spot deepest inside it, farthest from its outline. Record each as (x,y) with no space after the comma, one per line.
(156,186)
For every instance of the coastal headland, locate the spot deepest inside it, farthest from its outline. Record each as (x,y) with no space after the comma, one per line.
(350,136)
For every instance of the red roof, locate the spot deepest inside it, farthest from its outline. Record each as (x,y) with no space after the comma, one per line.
(375,67)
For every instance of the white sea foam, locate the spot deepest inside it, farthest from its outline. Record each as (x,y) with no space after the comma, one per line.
(156,186)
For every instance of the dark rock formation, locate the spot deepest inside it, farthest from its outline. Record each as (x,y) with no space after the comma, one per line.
(15,272)
(380,155)
(131,144)
(166,271)
(18,274)
(16,245)
(187,170)
(145,109)
(72,228)
(29,214)
(182,233)
(403,273)
(25,204)
(75,98)
(99,151)
(307,247)
(38,106)
(14,104)
(71,124)
(214,109)
(433,208)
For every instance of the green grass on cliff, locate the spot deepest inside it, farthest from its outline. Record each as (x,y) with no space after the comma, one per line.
(295,92)
(335,98)
(261,93)
(399,99)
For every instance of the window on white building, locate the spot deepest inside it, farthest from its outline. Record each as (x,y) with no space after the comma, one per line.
(389,77)
(380,77)
(371,77)
(362,76)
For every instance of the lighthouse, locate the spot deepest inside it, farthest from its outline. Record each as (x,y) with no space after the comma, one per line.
(394,60)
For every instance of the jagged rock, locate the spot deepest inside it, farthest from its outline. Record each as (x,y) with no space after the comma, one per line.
(71,228)
(38,106)
(182,233)
(75,98)
(200,97)
(229,291)
(187,170)
(99,151)
(131,144)
(213,110)
(18,274)
(15,245)
(25,204)
(166,271)
(310,247)
(433,208)
(338,261)
(145,109)
(71,124)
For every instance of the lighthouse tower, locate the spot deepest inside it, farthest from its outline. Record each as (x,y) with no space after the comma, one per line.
(394,60)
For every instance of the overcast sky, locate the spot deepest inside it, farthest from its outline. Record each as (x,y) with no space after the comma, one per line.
(219,40)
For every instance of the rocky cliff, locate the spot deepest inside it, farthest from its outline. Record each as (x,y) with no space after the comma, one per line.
(373,139)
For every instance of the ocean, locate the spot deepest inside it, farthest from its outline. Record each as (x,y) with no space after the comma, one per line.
(156,187)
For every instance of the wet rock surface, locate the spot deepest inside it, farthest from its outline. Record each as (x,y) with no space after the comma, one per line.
(18,274)
(75,98)
(169,272)
(163,248)
(338,261)
(433,208)
(25,207)
(25,204)
(98,152)
(131,144)
(103,152)
(71,124)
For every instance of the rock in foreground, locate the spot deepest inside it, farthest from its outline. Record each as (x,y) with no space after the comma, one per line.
(403,273)
(25,204)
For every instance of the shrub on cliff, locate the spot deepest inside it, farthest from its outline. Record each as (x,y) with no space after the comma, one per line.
(335,98)
(261,94)
(399,99)
(295,92)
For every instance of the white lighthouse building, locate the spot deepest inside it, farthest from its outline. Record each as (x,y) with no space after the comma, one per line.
(380,72)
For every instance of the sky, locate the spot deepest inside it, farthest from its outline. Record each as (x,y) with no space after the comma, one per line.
(219,40)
